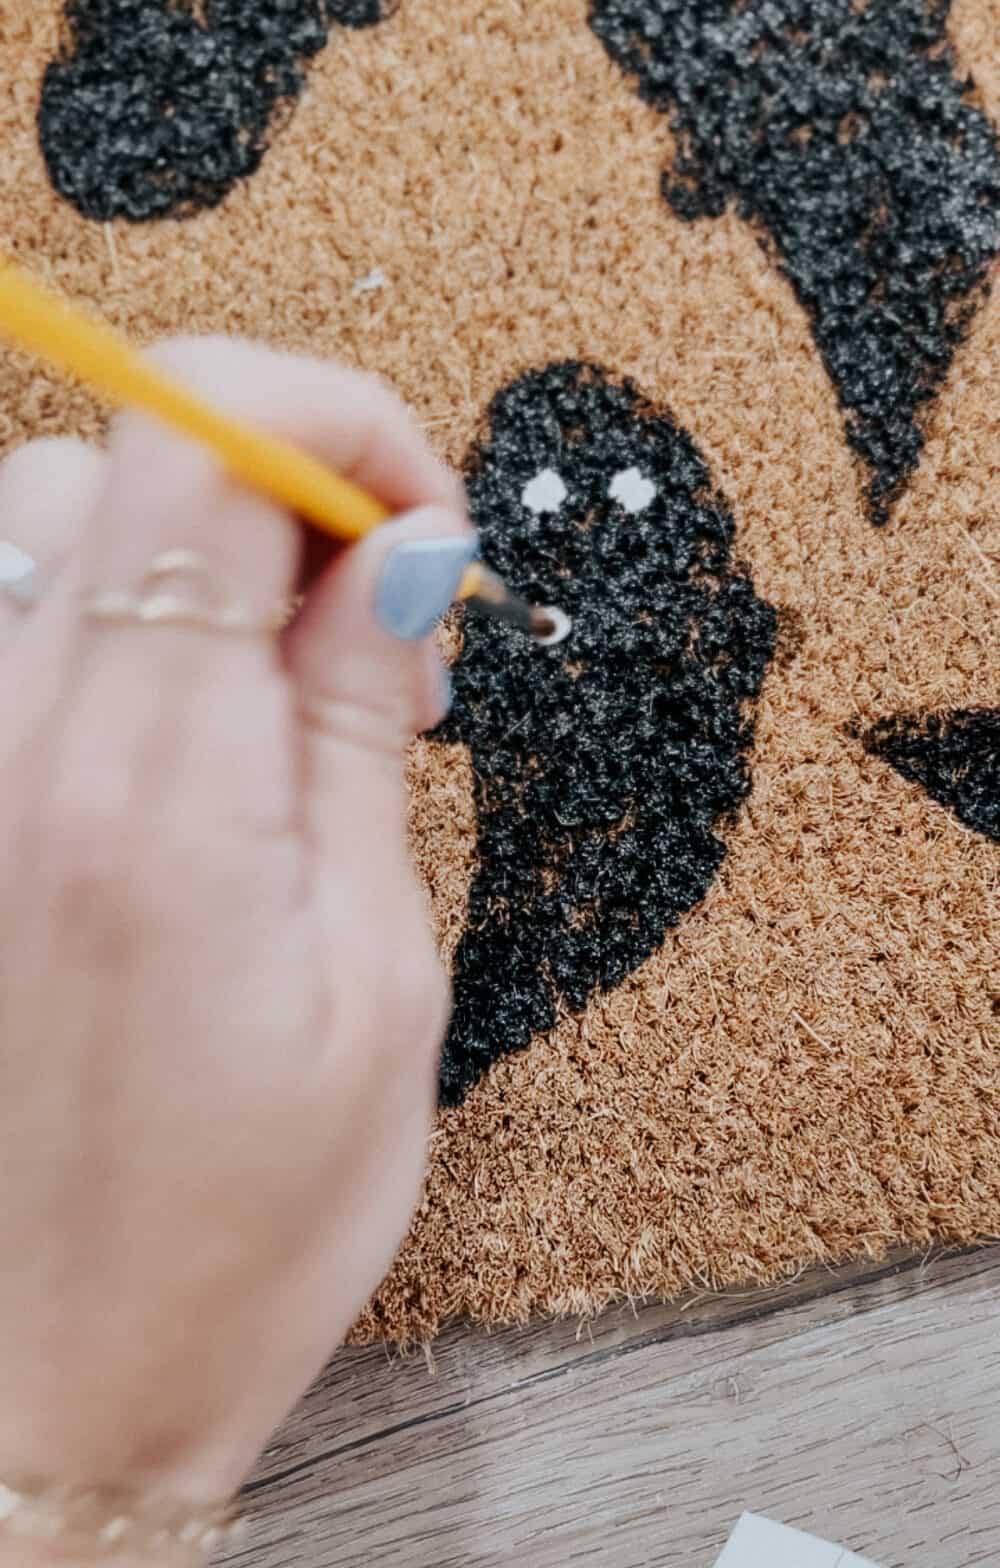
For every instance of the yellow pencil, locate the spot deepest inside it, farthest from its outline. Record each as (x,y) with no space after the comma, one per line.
(90,349)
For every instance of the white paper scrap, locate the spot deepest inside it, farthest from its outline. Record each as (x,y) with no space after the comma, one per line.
(371,281)
(759,1543)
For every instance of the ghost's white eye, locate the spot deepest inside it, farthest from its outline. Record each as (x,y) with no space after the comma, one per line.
(632,489)
(545,493)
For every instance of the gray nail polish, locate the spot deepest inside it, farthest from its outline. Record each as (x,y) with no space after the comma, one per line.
(418,582)
(445,692)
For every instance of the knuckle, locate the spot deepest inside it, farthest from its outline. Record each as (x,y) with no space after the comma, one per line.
(47,485)
(413,997)
(183,350)
(87,832)
(93,865)
(214,365)
(38,458)
(381,391)
(380,728)
(383,404)
(17,466)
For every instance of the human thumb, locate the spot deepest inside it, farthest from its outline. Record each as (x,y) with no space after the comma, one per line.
(368,674)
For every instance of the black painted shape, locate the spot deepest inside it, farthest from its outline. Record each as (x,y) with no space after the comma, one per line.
(604,767)
(150,111)
(840,126)
(954,756)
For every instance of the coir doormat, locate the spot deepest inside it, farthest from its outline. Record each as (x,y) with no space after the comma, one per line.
(698,293)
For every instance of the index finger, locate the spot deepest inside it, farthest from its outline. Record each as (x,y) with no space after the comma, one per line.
(167,494)
(177,690)
(349,419)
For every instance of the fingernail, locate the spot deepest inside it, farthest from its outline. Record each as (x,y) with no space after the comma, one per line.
(446,692)
(418,582)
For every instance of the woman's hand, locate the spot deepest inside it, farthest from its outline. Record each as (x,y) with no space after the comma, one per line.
(220,1004)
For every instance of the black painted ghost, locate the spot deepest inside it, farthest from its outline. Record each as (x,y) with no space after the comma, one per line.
(954,756)
(603,767)
(151,110)
(841,128)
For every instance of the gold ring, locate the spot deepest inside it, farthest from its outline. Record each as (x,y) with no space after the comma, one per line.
(180,588)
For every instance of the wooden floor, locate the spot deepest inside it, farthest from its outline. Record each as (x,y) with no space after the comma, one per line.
(861,1405)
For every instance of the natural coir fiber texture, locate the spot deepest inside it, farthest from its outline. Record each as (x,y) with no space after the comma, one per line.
(698,293)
